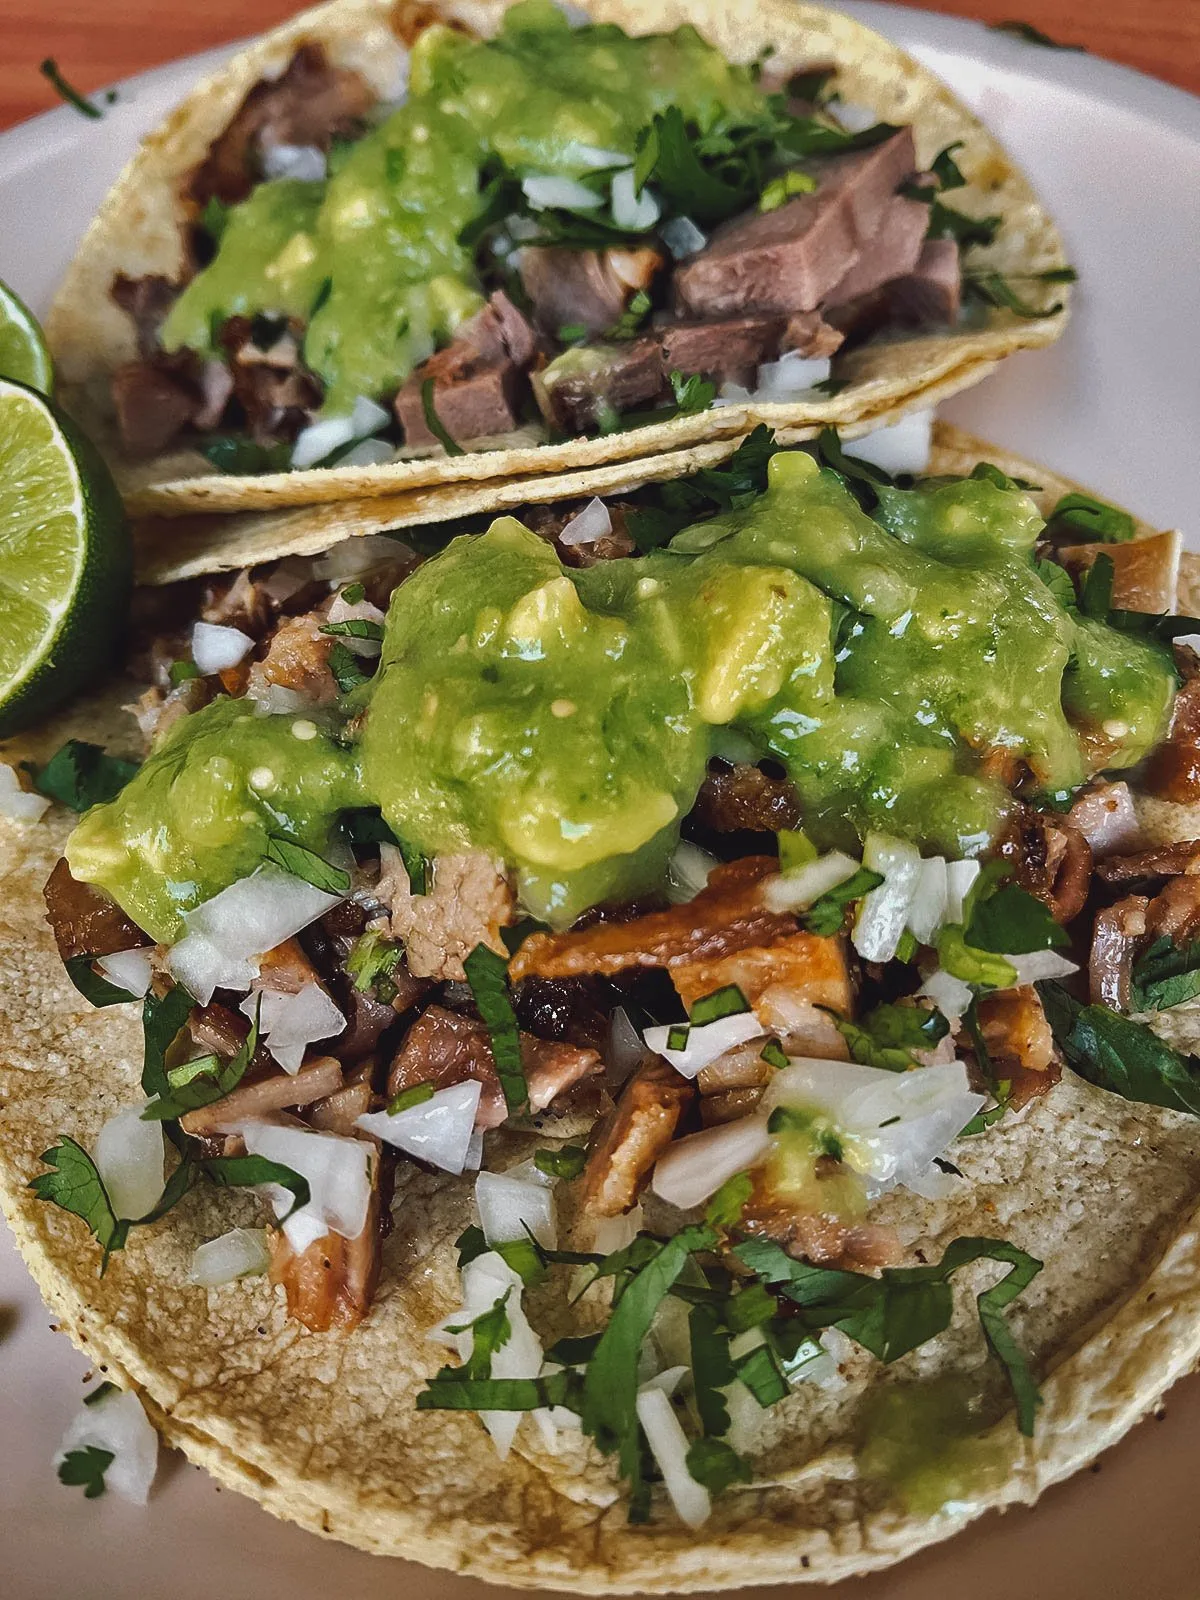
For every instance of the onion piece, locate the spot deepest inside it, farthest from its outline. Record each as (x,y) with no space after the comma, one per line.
(960,880)
(304,161)
(854,118)
(588,525)
(796,890)
(1039,964)
(544,191)
(275,700)
(117,1423)
(17,804)
(949,994)
(128,969)
(706,1042)
(354,558)
(240,1253)
(682,237)
(884,911)
(688,872)
(891,1124)
(927,912)
(287,578)
(360,611)
(636,212)
(484,1281)
(202,967)
(368,453)
(510,1209)
(1107,819)
(902,446)
(669,1446)
(338,1171)
(322,438)
(792,375)
(291,1022)
(439,1130)
(129,1157)
(692,1169)
(215,647)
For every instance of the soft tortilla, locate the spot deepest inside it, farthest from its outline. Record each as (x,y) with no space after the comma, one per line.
(139,230)
(322,1430)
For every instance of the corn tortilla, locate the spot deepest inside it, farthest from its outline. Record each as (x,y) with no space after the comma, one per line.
(140,230)
(321,1429)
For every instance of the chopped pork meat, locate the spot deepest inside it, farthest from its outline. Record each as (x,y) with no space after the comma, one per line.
(339,1112)
(262,1098)
(332,1284)
(588,387)
(1164,861)
(84,920)
(156,712)
(932,292)
(467,903)
(1051,859)
(297,658)
(1119,932)
(155,400)
(730,351)
(726,916)
(1145,571)
(809,334)
(1105,815)
(238,602)
(586,289)
(892,251)
(627,1142)
(147,300)
(788,984)
(744,796)
(822,1238)
(1019,1042)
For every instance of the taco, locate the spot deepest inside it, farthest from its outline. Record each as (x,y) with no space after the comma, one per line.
(657,977)
(308,286)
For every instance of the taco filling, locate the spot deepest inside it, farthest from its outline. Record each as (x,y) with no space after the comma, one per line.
(563,230)
(695,877)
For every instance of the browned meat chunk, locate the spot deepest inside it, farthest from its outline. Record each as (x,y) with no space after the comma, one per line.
(792,986)
(822,1238)
(155,400)
(809,334)
(589,387)
(932,291)
(1116,940)
(478,380)
(297,658)
(1164,861)
(262,1098)
(340,1111)
(1051,859)
(744,796)
(147,300)
(500,332)
(443,1047)
(627,1142)
(586,289)
(1175,912)
(791,258)
(468,902)
(84,920)
(332,1284)
(727,352)
(1145,571)
(311,104)
(548,523)
(238,602)
(891,251)
(1105,815)
(1020,1043)
(1173,770)
(726,916)
(276,392)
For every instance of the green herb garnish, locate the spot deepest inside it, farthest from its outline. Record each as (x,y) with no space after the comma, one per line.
(49,70)
(84,1469)
(80,775)
(308,865)
(568,1161)
(827,914)
(487,974)
(1115,1053)
(728,1001)
(434,423)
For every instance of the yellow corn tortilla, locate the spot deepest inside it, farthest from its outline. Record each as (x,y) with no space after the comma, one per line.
(139,230)
(321,1429)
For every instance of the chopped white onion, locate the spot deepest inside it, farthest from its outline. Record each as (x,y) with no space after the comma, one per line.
(706,1042)
(274,700)
(291,1022)
(902,446)
(669,1446)
(682,237)
(240,1253)
(624,1051)
(891,1124)
(614,1233)
(116,1422)
(510,1209)
(368,416)
(287,578)
(1107,819)
(588,525)
(128,969)
(474,1158)
(1039,964)
(322,438)
(354,558)
(368,453)
(949,994)
(17,804)
(796,890)
(591,155)
(884,911)
(688,872)
(439,1130)
(575,15)
(855,119)
(668,1380)
(226,934)
(636,212)
(484,1281)
(360,611)
(960,880)
(692,1169)
(544,192)
(129,1157)
(338,1171)
(927,912)
(214,647)
(791,376)
(304,161)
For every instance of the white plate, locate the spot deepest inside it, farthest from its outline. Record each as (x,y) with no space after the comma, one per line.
(1116,404)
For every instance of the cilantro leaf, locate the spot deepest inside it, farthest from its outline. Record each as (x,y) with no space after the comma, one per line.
(1058,581)
(693,393)
(307,864)
(1166,975)
(162,1020)
(970,965)
(716,1464)
(1096,593)
(75,1184)
(1011,921)
(524,1256)
(347,668)
(887,1036)
(568,1161)
(667,152)
(668,508)
(80,775)
(785,187)
(728,1001)
(712,1369)
(371,962)
(827,914)
(355,628)
(907,1306)
(1094,519)
(417,1095)
(945,222)
(994,289)
(725,1208)
(860,477)
(760,1371)
(487,974)
(629,323)
(49,70)
(247,1172)
(204,1081)
(434,423)
(451,1390)
(1115,1053)
(85,1468)
(490,1331)
(241,457)
(98,990)
(1028,34)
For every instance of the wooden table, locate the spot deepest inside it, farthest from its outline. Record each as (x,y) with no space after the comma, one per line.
(99,41)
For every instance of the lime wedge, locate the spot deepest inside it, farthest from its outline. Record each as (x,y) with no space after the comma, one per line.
(23,353)
(65,559)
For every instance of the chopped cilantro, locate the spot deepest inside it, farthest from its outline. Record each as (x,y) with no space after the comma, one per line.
(181,671)
(355,628)
(1011,921)
(243,457)
(630,321)
(49,70)
(1166,975)
(487,974)
(796,849)
(80,775)
(725,1208)
(204,1081)
(773,1054)
(98,990)
(568,1161)
(84,1469)
(887,1036)
(1094,519)
(1028,34)
(826,915)
(371,962)
(994,289)
(969,965)
(417,1095)
(307,864)
(347,668)
(162,1019)
(728,1001)
(784,187)
(490,1331)
(1096,592)
(1118,1054)
(434,423)
(716,1464)
(693,393)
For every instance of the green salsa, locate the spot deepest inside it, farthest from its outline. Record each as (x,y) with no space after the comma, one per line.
(373,259)
(563,718)
(924,1444)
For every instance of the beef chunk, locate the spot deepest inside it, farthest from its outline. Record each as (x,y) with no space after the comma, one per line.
(932,291)
(84,920)
(311,104)
(791,258)
(147,300)
(586,388)
(809,334)
(155,400)
(478,380)
(730,351)
(583,288)
(892,251)
(275,390)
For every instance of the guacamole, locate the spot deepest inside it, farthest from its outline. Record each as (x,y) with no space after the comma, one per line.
(374,259)
(562,719)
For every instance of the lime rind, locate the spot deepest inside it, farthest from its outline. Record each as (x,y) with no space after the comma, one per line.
(24,355)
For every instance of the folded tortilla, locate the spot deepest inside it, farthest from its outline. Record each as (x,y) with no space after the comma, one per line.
(322,1429)
(140,231)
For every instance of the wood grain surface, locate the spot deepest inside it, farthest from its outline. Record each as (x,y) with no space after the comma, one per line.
(99,41)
